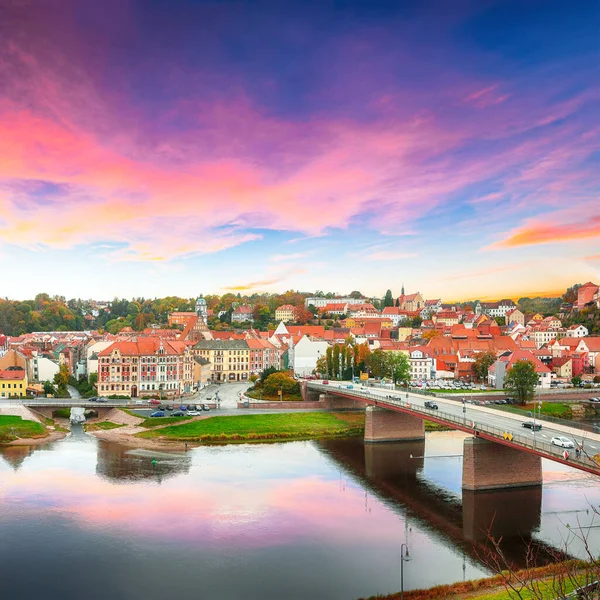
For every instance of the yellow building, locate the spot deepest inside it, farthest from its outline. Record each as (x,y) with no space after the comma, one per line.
(229,359)
(285,313)
(13,382)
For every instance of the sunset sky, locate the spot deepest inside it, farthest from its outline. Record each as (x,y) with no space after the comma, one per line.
(154,147)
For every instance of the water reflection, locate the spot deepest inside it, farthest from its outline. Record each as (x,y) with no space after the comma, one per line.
(310,519)
(117,462)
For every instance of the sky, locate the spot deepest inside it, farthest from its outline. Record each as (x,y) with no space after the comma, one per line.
(153,147)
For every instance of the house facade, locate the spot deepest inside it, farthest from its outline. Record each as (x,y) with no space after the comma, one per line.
(285,313)
(229,359)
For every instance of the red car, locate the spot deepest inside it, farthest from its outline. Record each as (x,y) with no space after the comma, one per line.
(325,382)
(153,401)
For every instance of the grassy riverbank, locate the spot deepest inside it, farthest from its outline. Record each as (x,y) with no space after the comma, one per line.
(13,428)
(561,410)
(257,428)
(102,426)
(547,581)
(156,421)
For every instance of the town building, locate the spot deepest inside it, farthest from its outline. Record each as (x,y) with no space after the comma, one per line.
(285,313)
(577,331)
(515,316)
(319,302)
(241,314)
(180,318)
(411,302)
(13,382)
(420,364)
(495,309)
(229,359)
(304,354)
(586,294)
(563,367)
(146,367)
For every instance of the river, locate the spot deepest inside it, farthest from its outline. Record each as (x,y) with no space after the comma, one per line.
(321,519)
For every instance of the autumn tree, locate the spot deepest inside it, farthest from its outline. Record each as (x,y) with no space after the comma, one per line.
(61,379)
(483,362)
(432,333)
(280,382)
(521,379)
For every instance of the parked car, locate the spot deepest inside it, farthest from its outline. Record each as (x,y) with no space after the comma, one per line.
(178,413)
(169,407)
(193,413)
(153,401)
(161,407)
(563,442)
(182,407)
(205,407)
(532,425)
(591,399)
(158,413)
(430,404)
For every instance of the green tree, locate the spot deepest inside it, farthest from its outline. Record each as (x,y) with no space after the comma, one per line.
(321,366)
(388,299)
(267,372)
(329,359)
(416,322)
(521,379)
(576,381)
(335,361)
(379,364)
(49,389)
(399,367)
(483,362)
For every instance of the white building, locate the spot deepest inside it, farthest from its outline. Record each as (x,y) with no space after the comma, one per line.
(420,365)
(304,354)
(543,335)
(42,368)
(321,302)
(495,309)
(577,331)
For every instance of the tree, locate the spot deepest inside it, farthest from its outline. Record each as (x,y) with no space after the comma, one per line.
(597,379)
(576,381)
(280,382)
(253,378)
(93,379)
(329,360)
(416,322)
(432,333)
(399,367)
(356,295)
(267,373)
(335,361)
(379,363)
(321,366)
(61,379)
(49,389)
(521,379)
(388,299)
(483,362)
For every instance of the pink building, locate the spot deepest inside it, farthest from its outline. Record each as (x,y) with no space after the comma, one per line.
(586,293)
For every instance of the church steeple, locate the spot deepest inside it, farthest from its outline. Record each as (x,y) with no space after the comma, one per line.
(403,289)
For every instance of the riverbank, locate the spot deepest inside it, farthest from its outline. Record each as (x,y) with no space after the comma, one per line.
(163,433)
(16,431)
(550,582)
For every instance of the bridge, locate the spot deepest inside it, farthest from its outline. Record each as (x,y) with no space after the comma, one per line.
(500,453)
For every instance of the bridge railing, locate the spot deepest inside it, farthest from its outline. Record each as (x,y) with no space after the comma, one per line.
(532,442)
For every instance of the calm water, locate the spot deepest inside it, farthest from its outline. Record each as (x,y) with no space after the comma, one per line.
(321,520)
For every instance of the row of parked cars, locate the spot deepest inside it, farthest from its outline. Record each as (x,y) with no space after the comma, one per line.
(192,410)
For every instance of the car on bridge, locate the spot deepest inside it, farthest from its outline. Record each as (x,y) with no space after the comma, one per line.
(532,425)
(594,399)
(431,405)
(102,400)
(93,399)
(563,442)
(154,401)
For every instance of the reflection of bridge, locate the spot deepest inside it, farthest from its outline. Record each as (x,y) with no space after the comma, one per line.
(512,460)
(391,472)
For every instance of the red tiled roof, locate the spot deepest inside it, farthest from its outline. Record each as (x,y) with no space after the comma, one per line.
(12,374)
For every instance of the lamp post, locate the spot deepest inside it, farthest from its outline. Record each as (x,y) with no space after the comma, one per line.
(404,557)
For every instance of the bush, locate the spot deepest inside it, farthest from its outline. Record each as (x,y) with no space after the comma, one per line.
(280,381)
(118,397)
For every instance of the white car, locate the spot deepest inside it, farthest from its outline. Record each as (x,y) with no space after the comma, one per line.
(563,442)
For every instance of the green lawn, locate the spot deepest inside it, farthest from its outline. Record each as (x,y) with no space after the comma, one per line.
(12,428)
(264,427)
(562,410)
(156,421)
(103,425)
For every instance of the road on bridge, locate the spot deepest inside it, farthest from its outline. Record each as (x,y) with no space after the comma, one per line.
(496,421)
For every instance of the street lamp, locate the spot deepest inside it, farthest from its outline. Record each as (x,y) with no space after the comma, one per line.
(404,557)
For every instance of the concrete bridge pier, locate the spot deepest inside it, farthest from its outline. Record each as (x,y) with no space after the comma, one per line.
(490,466)
(382,425)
